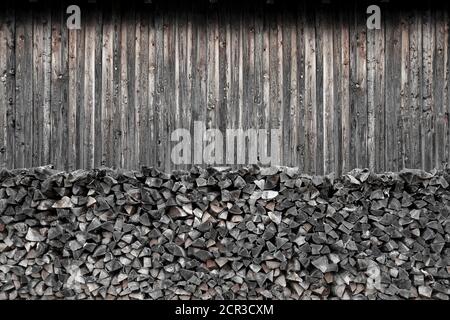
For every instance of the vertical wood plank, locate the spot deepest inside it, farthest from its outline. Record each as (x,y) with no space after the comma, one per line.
(319,22)
(310,94)
(405,113)
(73,36)
(55,85)
(142,85)
(104,152)
(393,72)
(337,67)
(117,129)
(212,73)
(415,88)
(224,72)
(124,93)
(7,87)
(300,76)
(439,89)
(287,109)
(345,84)
(328,95)
(361,89)
(428,107)
(379,98)
(265,61)
(23,91)
(79,96)
(130,111)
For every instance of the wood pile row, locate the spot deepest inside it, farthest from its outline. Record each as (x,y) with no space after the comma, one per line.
(217,233)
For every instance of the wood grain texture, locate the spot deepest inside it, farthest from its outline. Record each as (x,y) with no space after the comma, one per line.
(112,93)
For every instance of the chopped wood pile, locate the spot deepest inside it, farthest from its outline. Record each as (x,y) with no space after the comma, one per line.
(217,233)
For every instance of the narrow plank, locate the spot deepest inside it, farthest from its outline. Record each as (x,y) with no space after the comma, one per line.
(346,140)
(337,67)
(46,110)
(73,36)
(361,90)
(7,87)
(56,89)
(142,89)
(212,75)
(131,29)
(266,93)
(440,66)
(287,107)
(319,25)
(89,91)
(278,120)
(446,76)
(27,93)
(336,25)
(104,152)
(223,70)
(135,86)
(405,113)
(151,143)
(178,65)
(295,114)
(169,106)
(428,110)
(64,79)
(99,140)
(23,91)
(415,88)
(117,129)
(328,94)
(159,118)
(379,98)
(124,93)
(393,72)
(233,76)
(371,96)
(310,94)
(79,96)
(38,84)
(300,72)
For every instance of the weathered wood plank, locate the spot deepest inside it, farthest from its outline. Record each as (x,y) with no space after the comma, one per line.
(361,89)
(336,67)
(405,113)
(320,154)
(73,36)
(7,87)
(130,112)
(415,88)
(328,96)
(300,78)
(287,109)
(23,91)
(428,107)
(310,93)
(142,85)
(117,129)
(379,98)
(345,84)
(104,152)
(392,92)
(439,89)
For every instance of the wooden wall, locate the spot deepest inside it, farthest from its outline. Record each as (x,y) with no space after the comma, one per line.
(112,92)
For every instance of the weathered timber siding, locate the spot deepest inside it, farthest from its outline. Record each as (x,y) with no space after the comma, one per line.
(112,93)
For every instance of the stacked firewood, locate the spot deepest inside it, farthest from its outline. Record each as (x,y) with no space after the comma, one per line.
(217,233)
